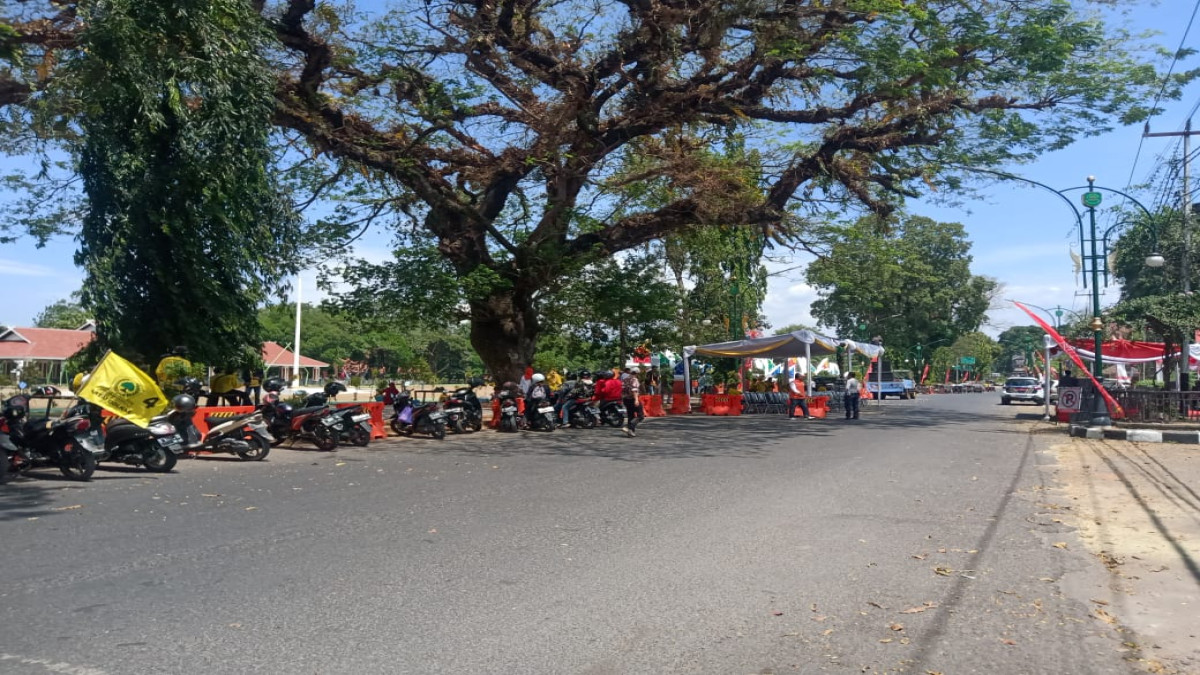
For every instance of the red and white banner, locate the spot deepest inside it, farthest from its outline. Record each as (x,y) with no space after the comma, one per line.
(1069,350)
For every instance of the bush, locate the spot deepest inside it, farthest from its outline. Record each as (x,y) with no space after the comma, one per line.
(356,381)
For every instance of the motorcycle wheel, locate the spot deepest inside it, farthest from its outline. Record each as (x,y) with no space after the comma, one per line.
(259,447)
(508,424)
(280,437)
(158,460)
(476,423)
(589,422)
(360,437)
(397,428)
(438,431)
(324,439)
(79,464)
(548,424)
(458,427)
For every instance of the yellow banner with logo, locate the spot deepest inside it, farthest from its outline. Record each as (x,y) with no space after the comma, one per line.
(121,388)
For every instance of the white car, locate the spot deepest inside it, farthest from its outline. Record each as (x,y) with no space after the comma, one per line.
(1028,389)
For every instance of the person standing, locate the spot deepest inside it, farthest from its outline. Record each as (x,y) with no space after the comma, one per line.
(652,381)
(254,386)
(631,394)
(798,396)
(851,397)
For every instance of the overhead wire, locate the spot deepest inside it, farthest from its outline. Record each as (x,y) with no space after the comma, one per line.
(1162,90)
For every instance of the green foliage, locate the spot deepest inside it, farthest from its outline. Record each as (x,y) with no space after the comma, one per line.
(907,280)
(1023,340)
(185,232)
(63,314)
(978,345)
(600,314)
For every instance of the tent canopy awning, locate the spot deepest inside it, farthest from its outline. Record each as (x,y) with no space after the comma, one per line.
(793,344)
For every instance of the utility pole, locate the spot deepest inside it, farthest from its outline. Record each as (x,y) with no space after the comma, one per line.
(1185,349)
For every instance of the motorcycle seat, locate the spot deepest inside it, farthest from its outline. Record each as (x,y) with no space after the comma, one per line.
(308,411)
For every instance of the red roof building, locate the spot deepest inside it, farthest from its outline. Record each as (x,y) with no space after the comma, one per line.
(39,353)
(275,356)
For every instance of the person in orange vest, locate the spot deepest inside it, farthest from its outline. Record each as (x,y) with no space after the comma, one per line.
(798,396)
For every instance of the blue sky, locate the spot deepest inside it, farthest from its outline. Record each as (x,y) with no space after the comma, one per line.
(1020,235)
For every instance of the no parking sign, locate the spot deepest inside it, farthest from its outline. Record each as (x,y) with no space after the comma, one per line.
(1068,398)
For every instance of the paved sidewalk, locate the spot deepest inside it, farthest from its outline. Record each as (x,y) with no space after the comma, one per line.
(1137,509)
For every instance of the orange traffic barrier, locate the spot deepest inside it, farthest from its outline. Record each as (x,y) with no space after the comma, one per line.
(200,421)
(681,404)
(723,404)
(652,406)
(375,410)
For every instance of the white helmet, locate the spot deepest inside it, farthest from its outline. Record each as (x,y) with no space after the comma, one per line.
(538,377)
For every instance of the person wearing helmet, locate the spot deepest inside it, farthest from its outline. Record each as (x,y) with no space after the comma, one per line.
(563,399)
(537,396)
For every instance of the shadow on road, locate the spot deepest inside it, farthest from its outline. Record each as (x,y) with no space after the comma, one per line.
(25,498)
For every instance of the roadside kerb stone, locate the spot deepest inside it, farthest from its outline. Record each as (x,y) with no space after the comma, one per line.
(1136,435)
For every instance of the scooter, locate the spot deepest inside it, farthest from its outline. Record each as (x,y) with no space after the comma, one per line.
(315,423)
(356,425)
(510,415)
(67,442)
(584,415)
(542,418)
(612,413)
(471,413)
(421,418)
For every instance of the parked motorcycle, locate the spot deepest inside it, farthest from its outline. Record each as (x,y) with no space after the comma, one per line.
(315,422)
(510,415)
(243,435)
(29,442)
(356,425)
(542,418)
(470,415)
(156,447)
(419,418)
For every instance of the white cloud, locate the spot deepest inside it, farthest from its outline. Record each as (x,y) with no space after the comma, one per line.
(14,268)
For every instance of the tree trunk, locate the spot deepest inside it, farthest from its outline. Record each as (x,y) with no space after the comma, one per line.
(504,330)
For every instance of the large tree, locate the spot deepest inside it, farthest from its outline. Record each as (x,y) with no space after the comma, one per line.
(67,313)
(906,279)
(518,132)
(185,232)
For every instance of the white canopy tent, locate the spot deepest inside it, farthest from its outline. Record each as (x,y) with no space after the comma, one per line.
(788,345)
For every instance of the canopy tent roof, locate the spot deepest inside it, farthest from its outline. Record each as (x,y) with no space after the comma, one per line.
(794,344)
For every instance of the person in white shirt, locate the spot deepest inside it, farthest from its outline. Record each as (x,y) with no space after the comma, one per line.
(853,390)
(797,396)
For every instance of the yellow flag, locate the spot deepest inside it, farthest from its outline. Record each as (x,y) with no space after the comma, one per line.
(120,388)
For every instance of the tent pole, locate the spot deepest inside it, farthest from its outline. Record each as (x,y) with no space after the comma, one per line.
(687,376)
(808,383)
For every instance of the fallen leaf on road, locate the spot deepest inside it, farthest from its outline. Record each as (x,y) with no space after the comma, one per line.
(918,610)
(212,495)
(886,640)
(920,556)
(814,607)
(32,518)
(340,464)
(251,508)
(1008,642)
(943,571)
(897,626)
(1047,579)
(1105,616)
(875,605)
(68,508)
(235,625)
(1060,544)
(1161,569)
(1099,602)
(433,531)
(827,631)
(941,550)
(820,618)
(904,640)
(777,613)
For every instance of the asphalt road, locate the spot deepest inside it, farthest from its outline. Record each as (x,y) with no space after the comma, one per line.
(912,540)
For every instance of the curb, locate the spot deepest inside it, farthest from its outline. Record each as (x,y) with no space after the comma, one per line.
(1137,435)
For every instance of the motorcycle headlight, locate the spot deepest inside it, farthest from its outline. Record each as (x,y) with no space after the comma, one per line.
(162,429)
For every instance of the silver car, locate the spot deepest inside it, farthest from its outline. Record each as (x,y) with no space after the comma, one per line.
(1029,389)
